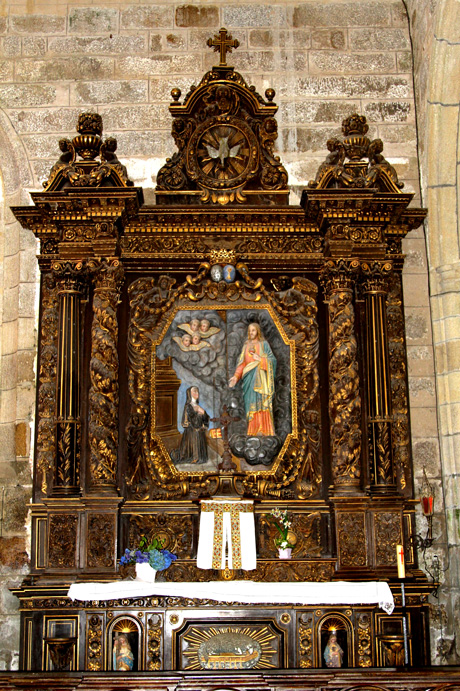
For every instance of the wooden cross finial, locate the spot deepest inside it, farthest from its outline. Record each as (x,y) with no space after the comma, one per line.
(224,43)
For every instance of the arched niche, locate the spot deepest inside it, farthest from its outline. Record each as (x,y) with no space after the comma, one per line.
(124,645)
(335,641)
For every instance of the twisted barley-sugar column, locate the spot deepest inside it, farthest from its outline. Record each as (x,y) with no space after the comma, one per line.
(103,394)
(70,277)
(338,278)
(375,289)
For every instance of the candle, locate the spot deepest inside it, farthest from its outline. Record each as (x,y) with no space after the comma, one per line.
(400,561)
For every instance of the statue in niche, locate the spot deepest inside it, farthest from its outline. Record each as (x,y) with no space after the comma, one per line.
(122,655)
(195,421)
(256,368)
(333,653)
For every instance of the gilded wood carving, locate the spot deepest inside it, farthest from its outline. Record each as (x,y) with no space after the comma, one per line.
(399,391)
(186,350)
(103,394)
(151,470)
(46,394)
(344,396)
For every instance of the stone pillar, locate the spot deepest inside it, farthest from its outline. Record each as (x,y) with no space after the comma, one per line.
(375,288)
(70,275)
(103,393)
(338,277)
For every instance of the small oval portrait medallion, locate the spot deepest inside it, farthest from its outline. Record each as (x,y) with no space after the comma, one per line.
(229,273)
(217,273)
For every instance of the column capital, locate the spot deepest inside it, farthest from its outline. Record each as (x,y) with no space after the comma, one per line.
(338,275)
(71,275)
(375,275)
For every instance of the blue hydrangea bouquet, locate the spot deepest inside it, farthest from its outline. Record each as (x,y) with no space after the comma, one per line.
(151,553)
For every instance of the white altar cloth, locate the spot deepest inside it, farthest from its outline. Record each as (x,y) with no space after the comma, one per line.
(248,592)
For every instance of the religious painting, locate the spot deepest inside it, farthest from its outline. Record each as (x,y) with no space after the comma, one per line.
(233,382)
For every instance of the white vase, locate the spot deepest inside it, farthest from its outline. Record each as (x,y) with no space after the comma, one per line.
(144,572)
(285,553)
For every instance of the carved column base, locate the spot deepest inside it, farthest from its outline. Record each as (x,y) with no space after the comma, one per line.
(103,490)
(350,488)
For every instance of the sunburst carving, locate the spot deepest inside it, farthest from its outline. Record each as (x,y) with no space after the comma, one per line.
(125,626)
(230,647)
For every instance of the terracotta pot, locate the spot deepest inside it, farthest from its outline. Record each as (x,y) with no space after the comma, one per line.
(285,553)
(144,572)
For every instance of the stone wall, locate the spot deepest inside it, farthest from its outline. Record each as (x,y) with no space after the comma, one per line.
(435,29)
(325,60)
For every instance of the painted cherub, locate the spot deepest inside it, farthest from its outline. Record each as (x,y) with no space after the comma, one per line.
(206,330)
(184,342)
(191,328)
(198,344)
(202,327)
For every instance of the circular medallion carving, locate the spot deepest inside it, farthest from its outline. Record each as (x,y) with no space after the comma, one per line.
(222,153)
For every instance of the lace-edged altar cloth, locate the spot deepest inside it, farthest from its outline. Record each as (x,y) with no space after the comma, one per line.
(247,592)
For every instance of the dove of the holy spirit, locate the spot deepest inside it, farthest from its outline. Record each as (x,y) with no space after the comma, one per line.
(223,151)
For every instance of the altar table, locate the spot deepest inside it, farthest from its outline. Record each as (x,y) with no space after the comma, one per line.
(251,592)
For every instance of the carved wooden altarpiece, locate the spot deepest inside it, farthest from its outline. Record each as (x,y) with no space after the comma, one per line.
(125,290)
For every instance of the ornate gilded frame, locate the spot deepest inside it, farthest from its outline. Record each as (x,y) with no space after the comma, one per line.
(153,305)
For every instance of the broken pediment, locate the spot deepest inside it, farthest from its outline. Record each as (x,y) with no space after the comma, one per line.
(225,134)
(87,160)
(346,165)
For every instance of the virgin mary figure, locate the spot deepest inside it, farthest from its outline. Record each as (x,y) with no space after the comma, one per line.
(123,658)
(195,421)
(256,367)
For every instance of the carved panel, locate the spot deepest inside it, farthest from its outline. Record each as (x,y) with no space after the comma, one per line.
(351,537)
(62,541)
(380,452)
(305,532)
(276,571)
(100,541)
(364,640)
(305,640)
(154,643)
(388,534)
(268,245)
(174,530)
(46,395)
(94,652)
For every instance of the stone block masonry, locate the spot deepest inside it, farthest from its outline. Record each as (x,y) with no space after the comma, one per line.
(325,60)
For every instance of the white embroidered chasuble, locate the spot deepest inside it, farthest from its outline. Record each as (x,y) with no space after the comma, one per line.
(227,534)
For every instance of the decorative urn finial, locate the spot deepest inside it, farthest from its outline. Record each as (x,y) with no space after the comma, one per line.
(88,143)
(355,141)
